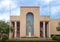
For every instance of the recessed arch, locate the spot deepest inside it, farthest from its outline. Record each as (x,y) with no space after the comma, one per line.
(29,13)
(30,24)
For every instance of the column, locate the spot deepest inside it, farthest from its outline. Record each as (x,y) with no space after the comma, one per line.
(49,29)
(10,32)
(15,30)
(43,29)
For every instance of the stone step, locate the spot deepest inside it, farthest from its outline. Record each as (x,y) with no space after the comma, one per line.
(34,39)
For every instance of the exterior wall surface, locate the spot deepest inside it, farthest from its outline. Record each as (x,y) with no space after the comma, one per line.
(24,11)
(53,25)
(14,18)
(44,18)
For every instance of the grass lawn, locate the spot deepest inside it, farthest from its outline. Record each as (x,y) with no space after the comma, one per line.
(30,41)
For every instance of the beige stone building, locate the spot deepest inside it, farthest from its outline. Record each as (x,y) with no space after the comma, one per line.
(31,24)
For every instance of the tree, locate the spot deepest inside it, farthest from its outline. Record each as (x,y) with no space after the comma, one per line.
(5,28)
(58,27)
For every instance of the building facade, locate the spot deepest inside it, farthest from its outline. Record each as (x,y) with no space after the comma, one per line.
(31,24)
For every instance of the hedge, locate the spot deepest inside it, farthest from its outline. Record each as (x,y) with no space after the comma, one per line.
(30,41)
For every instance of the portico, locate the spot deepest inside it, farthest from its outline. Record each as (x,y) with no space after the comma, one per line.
(44,30)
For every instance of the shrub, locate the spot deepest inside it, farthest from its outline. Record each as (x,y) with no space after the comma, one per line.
(54,37)
(4,38)
(58,38)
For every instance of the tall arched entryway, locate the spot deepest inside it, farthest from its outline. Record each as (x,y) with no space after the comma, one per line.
(29,24)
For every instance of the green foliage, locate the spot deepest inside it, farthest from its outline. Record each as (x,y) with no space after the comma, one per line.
(57,38)
(5,28)
(4,38)
(30,41)
(58,27)
(54,37)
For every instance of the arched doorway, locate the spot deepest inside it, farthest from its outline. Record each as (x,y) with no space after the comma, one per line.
(29,24)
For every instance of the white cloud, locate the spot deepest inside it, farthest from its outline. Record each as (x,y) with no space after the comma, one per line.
(53,4)
(15,12)
(6,4)
(4,16)
(55,10)
(44,2)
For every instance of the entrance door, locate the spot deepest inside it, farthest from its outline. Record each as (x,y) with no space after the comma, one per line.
(29,25)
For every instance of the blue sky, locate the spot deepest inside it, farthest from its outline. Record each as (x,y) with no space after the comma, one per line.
(47,7)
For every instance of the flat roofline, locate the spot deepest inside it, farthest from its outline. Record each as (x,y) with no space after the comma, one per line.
(44,16)
(55,18)
(14,16)
(29,7)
